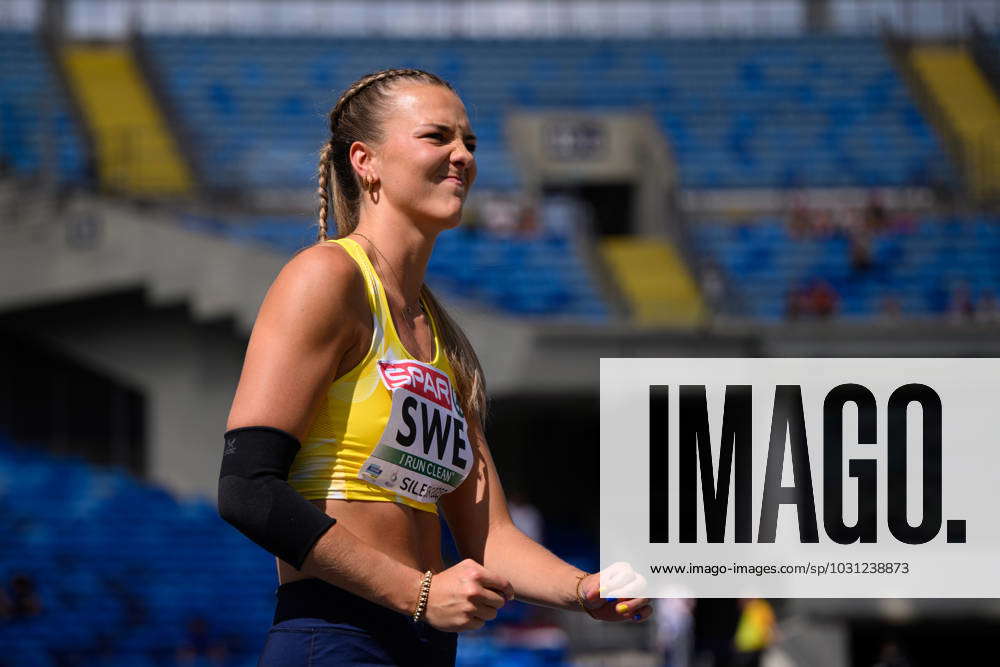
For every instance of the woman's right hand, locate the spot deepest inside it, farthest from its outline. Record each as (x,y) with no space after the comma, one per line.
(465,596)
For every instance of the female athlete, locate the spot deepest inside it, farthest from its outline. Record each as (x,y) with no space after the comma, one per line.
(359,412)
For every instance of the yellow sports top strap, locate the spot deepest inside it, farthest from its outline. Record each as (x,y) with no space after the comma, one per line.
(372,282)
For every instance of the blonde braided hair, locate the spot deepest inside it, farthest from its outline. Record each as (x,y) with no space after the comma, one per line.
(358,116)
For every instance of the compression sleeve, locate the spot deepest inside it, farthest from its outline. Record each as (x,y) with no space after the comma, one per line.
(254,495)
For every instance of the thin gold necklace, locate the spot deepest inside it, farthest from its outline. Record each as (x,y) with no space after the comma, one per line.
(407,310)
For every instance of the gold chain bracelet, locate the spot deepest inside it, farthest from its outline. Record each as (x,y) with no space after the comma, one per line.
(579,598)
(425,591)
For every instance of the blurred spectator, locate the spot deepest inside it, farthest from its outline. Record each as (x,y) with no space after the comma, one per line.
(823,223)
(674,630)
(797,304)
(859,225)
(199,647)
(526,516)
(876,218)
(818,300)
(563,216)
(500,215)
(799,219)
(24,601)
(755,631)
(823,299)
(506,215)
(861,248)
(527,222)
(960,304)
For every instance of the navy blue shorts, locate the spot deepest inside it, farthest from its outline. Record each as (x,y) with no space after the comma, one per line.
(317,624)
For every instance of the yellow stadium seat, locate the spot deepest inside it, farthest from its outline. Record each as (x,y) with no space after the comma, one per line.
(969,107)
(135,152)
(655,281)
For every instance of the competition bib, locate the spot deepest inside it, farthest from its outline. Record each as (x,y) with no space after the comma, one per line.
(423,452)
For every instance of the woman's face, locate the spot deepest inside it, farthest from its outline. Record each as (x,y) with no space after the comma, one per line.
(424,163)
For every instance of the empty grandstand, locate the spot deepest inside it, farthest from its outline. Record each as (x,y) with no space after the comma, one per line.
(744,113)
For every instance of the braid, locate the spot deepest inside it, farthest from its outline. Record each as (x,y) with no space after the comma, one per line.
(353,118)
(325,166)
(360,85)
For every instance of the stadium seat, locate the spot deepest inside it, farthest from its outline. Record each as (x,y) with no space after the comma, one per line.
(919,268)
(538,276)
(780,112)
(121,567)
(34,113)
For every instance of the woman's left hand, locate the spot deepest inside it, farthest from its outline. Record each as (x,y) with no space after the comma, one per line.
(613,610)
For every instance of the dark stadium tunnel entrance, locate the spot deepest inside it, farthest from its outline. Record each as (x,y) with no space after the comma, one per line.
(537,437)
(68,406)
(611,205)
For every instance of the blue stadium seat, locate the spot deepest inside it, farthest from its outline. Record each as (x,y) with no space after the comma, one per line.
(781,112)
(121,567)
(919,268)
(542,276)
(34,113)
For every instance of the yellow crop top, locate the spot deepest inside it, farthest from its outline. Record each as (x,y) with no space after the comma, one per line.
(391,429)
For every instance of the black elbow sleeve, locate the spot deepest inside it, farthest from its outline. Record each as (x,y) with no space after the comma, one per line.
(254,495)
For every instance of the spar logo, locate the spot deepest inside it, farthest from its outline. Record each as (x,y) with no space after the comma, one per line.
(421,379)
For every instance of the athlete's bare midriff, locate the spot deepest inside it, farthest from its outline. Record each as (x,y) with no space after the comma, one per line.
(405,534)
